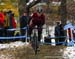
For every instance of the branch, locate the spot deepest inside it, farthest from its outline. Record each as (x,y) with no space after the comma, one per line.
(33,3)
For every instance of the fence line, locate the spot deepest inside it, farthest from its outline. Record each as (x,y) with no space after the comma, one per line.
(26,37)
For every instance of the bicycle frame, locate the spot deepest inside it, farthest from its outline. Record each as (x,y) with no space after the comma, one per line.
(35,40)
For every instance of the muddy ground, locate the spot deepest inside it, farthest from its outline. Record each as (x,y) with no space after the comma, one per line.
(27,52)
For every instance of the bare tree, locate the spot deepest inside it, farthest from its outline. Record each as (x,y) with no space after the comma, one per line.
(63,12)
(24,7)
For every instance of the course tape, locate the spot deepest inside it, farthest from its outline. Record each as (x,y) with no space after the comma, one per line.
(56,43)
(57,37)
(15,37)
(70,43)
(28,37)
(19,37)
(13,29)
(64,42)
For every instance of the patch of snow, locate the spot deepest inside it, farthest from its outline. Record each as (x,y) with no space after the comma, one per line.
(6,57)
(48,30)
(13,44)
(56,3)
(69,53)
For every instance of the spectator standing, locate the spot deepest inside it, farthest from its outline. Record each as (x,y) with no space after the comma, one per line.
(23,23)
(57,32)
(62,34)
(10,26)
(9,23)
(1,23)
(13,24)
(6,23)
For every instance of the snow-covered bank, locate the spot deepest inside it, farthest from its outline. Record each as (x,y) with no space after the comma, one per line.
(13,44)
(69,53)
(6,57)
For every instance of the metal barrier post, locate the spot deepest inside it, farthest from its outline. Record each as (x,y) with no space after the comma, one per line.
(26,36)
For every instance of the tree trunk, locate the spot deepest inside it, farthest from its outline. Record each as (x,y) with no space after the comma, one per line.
(24,7)
(63,12)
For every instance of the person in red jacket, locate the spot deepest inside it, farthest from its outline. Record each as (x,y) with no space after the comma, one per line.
(13,21)
(13,24)
(1,19)
(1,23)
(37,19)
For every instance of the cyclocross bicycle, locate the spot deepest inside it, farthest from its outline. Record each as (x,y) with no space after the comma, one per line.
(35,43)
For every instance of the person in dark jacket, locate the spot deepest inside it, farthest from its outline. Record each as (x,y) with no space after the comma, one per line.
(62,34)
(57,32)
(23,23)
(13,24)
(9,22)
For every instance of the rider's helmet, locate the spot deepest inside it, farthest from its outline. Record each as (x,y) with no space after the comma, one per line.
(39,10)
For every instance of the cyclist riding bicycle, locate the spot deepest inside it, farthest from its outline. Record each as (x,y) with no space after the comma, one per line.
(37,19)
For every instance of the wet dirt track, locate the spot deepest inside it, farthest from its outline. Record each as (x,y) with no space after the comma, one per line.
(26,52)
